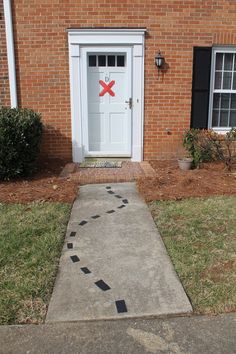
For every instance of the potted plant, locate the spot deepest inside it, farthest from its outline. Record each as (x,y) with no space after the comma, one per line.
(185,163)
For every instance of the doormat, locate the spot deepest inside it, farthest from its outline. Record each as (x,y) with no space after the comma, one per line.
(101,164)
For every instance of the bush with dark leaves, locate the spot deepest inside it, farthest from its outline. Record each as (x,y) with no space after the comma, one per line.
(20,136)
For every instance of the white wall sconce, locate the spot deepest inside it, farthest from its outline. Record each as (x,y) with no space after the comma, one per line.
(159,60)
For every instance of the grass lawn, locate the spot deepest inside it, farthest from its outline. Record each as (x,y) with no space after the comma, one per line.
(31,238)
(200,236)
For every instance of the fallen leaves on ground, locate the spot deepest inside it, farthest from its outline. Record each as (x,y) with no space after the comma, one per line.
(171,183)
(44,185)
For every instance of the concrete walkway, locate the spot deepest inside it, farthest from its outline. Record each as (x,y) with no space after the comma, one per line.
(183,335)
(114,263)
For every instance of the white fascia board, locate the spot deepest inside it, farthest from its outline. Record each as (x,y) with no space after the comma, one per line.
(100,31)
(106,36)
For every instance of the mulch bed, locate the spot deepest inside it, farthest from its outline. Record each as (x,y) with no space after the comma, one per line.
(171,183)
(43,185)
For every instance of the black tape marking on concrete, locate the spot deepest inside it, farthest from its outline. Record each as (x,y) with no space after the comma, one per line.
(110,211)
(118,196)
(95,216)
(72,234)
(102,285)
(75,258)
(125,201)
(121,306)
(110,192)
(83,222)
(85,270)
(69,245)
(121,206)
(108,187)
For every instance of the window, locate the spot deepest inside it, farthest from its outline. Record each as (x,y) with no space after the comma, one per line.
(106,60)
(223,89)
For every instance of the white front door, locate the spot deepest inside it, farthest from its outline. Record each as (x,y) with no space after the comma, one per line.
(109,97)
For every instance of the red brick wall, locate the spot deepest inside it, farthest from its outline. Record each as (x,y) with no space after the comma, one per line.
(174,27)
(4,84)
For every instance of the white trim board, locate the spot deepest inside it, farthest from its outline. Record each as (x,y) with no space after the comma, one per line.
(10,52)
(102,38)
(215,50)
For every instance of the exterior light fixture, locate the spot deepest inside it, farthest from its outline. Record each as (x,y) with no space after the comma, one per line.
(159,60)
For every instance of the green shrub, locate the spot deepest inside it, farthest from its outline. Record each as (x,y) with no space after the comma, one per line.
(20,136)
(207,145)
(199,145)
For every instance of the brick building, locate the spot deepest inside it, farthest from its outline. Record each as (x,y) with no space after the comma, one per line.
(4,84)
(89,68)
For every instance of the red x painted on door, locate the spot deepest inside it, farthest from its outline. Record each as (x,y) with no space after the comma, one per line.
(107,88)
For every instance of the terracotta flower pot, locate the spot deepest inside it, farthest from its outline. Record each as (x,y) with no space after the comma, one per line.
(185,163)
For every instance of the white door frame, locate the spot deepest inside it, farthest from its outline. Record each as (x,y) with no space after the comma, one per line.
(102,39)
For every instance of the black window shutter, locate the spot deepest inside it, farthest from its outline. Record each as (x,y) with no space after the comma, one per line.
(201,86)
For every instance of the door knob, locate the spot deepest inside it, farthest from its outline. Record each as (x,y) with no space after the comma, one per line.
(130,102)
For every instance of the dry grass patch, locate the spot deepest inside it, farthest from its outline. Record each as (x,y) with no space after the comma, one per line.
(200,236)
(31,238)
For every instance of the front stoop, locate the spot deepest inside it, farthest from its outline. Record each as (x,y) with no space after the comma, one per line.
(147,169)
(68,170)
(130,171)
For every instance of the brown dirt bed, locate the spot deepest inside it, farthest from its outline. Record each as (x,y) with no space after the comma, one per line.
(171,183)
(43,185)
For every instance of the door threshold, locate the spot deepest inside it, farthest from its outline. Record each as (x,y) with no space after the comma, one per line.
(104,158)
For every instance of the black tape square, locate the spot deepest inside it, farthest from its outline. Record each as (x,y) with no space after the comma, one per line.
(121,206)
(85,270)
(125,201)
(118,196)
(108,187)
(110,211)
(95,216)
(83,222)
(102,285)
(72,234)
(70,245)
(75,258)
(110,192)
(121,306)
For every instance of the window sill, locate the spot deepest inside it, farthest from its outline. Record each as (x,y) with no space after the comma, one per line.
(221,130)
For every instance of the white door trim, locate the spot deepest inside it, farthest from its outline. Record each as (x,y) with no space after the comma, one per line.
(103,39)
